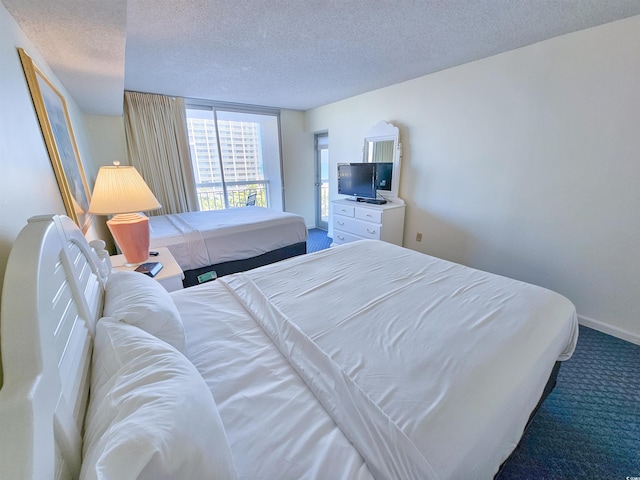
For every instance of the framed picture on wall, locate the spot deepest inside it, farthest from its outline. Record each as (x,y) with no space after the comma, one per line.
(51,110)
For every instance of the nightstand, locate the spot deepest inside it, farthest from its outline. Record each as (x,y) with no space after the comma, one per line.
(170,277)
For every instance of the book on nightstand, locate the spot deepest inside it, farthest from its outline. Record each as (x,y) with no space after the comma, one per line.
(149,268)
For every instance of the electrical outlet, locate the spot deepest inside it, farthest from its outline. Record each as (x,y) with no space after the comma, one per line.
(418,237)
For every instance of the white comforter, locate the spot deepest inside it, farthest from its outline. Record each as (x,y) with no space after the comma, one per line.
(276,428)
(429,368)
(200,239)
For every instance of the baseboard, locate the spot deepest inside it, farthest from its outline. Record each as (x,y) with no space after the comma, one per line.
(610,330)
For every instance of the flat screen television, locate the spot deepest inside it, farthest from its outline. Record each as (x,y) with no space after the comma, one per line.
(362,180)
(357,180)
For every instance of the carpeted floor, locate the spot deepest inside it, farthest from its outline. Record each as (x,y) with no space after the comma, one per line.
(589,427)
(317,240)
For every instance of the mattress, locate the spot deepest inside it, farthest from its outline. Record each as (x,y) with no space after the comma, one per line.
(200,239)
(428,368)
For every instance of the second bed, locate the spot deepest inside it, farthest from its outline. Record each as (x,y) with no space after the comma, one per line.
(228,241)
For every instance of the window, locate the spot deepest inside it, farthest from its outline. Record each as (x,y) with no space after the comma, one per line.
(235,153)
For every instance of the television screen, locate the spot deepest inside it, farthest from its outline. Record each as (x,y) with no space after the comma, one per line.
(357,179)
(383,175)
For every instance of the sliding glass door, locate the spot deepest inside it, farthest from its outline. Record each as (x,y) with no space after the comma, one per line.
(322,180)
(236,156)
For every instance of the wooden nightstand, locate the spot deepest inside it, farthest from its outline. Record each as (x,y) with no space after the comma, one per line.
(170,277)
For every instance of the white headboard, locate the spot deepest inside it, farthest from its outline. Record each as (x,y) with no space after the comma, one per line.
(51,300)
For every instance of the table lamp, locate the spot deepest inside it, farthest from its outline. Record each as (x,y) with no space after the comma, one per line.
(121,191)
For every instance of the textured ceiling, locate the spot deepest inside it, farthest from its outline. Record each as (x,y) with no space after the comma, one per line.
(83,41)
(289,54)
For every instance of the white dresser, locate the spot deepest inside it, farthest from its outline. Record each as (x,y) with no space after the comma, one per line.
(353,221)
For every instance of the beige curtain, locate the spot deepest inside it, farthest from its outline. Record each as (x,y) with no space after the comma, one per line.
(158,146)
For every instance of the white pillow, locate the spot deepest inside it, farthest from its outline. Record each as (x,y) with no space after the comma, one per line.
(151,414)
(139,300)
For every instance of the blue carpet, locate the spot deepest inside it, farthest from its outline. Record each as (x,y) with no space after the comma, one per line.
(317,240)
(589,427)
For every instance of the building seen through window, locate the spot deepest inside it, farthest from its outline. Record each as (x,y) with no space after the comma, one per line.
(234,155)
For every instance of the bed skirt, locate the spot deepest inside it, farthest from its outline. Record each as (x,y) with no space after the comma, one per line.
(548,388)
(234,266)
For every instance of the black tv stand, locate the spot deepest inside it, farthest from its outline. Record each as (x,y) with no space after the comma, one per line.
(375,201)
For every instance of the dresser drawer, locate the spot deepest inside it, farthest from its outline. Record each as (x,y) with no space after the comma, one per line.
(344,210)
(369,215)
(340,237)
(368,230)
(345,224)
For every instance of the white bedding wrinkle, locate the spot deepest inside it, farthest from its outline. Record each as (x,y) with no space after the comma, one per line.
(453,365)
(389,453)
(185,243)
(274,424)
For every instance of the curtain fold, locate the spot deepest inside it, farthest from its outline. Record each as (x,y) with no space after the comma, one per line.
(383,151)
(158,146)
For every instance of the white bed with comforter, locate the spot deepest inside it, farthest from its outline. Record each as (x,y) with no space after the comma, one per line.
(208,238)
(363,361)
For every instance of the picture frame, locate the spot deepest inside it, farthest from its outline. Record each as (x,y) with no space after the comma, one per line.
(57,132)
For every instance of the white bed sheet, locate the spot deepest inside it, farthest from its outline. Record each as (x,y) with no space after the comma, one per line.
(275,426)
(199,239)
(436,383)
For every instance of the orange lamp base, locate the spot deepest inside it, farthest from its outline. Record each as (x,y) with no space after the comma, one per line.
(131,233)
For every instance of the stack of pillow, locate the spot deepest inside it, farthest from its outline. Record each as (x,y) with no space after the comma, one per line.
(150,415)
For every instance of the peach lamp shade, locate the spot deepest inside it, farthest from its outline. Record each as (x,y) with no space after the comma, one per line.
(121,191)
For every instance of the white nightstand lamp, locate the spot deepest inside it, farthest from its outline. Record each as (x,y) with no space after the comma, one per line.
(122,192)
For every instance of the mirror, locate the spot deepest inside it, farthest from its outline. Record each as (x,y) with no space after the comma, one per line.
(380,151)
(382,144)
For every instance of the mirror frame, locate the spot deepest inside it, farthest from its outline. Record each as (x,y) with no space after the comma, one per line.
(382,132)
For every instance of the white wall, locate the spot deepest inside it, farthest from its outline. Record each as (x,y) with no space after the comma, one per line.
(107,141)
(106,144)
(525,164)
(27,185)
(298,166)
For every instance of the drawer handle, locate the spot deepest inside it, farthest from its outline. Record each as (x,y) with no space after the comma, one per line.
(343,210)
(340,223)
(371,231)
(367,214)
(340,237)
